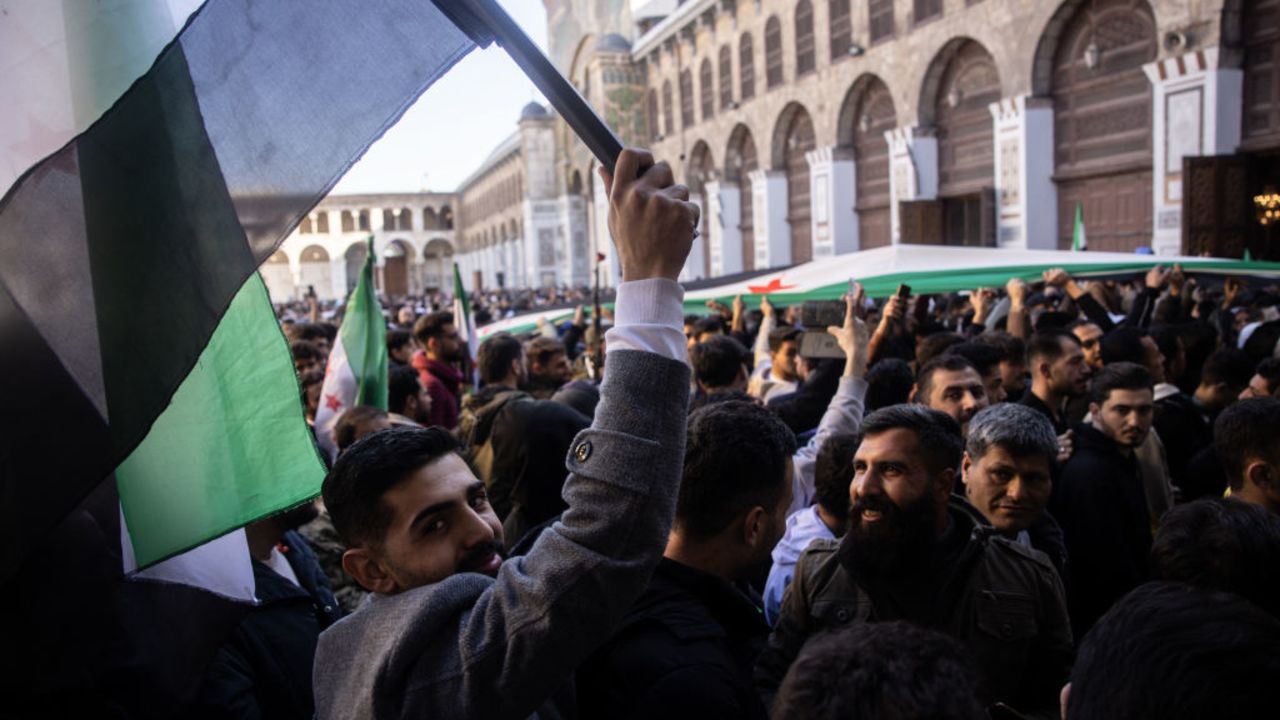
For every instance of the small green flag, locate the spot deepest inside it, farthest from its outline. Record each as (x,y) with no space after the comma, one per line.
(1248,256)
(357,371)
(462,321)
(1078,240)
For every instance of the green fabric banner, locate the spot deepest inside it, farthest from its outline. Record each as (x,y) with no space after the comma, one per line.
(230,448)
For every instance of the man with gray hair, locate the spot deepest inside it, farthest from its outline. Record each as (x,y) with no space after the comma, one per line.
(1008,476)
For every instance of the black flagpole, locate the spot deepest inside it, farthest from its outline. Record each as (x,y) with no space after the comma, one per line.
(484,21)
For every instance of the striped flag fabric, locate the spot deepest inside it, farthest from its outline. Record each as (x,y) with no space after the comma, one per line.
(144,181)
(1079,242)
(462,321)
(357,370)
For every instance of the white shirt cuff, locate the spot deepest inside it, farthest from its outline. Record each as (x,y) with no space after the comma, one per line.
(649,316)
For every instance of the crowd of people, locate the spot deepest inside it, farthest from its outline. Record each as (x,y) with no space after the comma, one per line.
(1058,499)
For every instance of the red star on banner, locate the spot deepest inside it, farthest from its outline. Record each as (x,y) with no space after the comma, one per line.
(775,285)
(333,402)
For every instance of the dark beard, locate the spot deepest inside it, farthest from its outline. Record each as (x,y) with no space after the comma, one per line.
(897,545)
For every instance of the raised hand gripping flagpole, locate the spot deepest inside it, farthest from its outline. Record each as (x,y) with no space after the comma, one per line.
(484,21)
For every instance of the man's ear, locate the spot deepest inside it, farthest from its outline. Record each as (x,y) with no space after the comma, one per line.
(366,570)
(965,463)
(753,526)
(945,485)
(1095,410)
(915,393)
(1063,698)
(516,366)
(1259,473)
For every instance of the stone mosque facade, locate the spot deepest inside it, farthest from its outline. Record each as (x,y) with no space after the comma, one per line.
(811,128)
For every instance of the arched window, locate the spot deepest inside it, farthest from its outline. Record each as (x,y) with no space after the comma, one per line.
(686,99)
(651,114)
(322,222)
(746,67)
(707,91)
(405,221)
(388,219)
(773,52)
(362,222)
(429,220)
(668,113)
(804,38)
(726,77)
(304,227)
(348,221)
(841,28)
(926,9)
(880,14)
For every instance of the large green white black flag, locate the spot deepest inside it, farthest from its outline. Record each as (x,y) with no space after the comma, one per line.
(145,178)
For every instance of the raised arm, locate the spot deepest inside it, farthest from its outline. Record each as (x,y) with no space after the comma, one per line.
(844,413)
(548,610)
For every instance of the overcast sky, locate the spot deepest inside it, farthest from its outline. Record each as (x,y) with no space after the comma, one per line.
(456,123)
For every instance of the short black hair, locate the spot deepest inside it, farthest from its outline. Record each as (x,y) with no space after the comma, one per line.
(1124,344)
(1047,344)
(1012,349)
(710,323)
(880,670)
(1247,430)
(717,360)
(1230,366)
(1119,376)
(1172,651)
(985,358)
(495,355)
(935,344)
(889,382)
(833,472)
(938,433)
(541,350)
(305,350)
(736,456)
(353,489)
(1221,544)
(778,336)
(306,331)
(402,384)
(344,430)
(924,378)
(1269,369)
(397,339)
(431,325)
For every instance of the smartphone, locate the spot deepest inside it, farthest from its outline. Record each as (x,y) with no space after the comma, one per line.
(904,291)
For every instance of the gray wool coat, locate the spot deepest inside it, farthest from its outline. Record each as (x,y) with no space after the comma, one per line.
(472,646)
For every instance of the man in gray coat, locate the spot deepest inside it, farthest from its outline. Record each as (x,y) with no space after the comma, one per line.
(452,630)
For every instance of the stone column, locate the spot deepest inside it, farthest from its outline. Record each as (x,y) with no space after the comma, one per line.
(913,170)
(724,215)
(1196,108)
(831,197)
(1026,199)
(769,207)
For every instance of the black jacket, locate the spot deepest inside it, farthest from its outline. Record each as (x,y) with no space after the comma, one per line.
(1002,600)
(1185,430)
(685,650)
(264,669)
(1100,503)
(1034,402)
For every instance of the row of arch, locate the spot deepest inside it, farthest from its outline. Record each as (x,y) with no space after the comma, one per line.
(503,232)
(403,269)
(1102,112)
(392,220)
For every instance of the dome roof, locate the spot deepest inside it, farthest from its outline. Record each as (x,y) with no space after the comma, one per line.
(533,110)
(613,42)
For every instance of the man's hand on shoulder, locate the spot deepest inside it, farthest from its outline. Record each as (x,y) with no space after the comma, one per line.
(650,216)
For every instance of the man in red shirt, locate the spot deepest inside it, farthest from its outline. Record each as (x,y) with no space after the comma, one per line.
(437,366)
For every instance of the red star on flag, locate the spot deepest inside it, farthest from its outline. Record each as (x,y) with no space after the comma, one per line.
(775,285)
(333,402)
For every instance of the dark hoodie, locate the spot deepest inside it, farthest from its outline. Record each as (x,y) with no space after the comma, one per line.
(685,650)
(1101,506)
(487,424)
